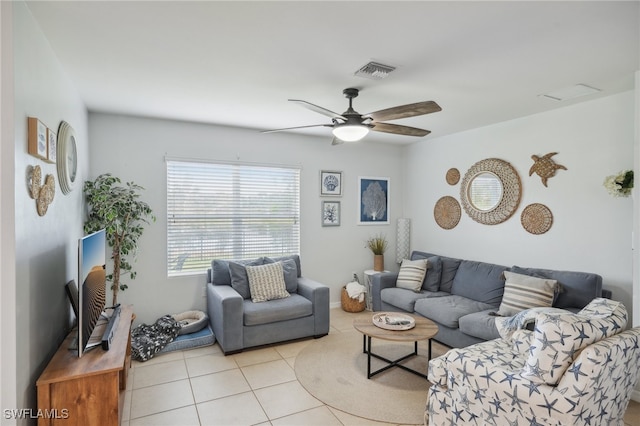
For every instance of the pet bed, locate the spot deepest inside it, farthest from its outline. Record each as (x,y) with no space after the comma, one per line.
(191,321)
(203,337)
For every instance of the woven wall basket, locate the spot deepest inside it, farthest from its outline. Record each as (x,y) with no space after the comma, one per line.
(349,304)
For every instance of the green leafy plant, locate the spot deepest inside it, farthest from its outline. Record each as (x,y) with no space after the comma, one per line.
(377,244)
(119,210)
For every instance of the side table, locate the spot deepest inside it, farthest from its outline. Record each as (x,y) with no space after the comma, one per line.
(368,275)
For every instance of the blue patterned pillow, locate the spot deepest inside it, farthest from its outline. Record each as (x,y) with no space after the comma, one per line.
(557,337)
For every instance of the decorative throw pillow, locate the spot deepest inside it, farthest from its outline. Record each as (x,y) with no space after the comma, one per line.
(239,280)
(412,274)
(266,282)
(557,338)
(290,268)
(434,271)
(524,292)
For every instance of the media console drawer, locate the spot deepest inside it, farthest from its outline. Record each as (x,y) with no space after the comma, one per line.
(89,390)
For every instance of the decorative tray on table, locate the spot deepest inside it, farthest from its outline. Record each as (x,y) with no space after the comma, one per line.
(393,321)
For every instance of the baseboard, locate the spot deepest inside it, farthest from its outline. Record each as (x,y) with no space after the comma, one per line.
(335,305)
(635,395)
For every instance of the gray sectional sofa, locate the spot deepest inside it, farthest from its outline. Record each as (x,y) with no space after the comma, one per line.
(239,323)
(463,296)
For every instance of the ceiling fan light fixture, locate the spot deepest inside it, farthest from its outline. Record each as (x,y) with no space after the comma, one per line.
(350,132)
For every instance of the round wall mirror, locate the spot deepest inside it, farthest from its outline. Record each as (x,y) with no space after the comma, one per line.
(490,191)
(485,191)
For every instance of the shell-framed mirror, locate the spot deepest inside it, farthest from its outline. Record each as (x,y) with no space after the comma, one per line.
(490,191)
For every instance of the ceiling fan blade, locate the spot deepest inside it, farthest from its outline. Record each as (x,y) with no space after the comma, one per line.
(405,111)
(399,130)
(297,127)
(318,109)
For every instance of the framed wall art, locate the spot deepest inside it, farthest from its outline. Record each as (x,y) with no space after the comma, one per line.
(331,213)
(373,200)
(330,183)
(52,146)
(37,145)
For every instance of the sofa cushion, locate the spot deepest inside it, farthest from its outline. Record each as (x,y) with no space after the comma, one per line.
(405,299)
(238,274)
(293,257)
(266,282)
(479,281)
(577,288)
(434,270)
(292,307)
(525,292)
(447,310)
(480,324)
(449,269)
(220,273)
(411,274)
(557,338)
(433,275)
(290,270)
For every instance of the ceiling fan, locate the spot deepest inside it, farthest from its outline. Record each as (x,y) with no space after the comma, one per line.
(351,126)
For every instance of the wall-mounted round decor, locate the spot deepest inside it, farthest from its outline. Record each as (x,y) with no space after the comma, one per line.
(447,212)
(43,194)
(67,157)
(453,176)
(536,218)
(490,191)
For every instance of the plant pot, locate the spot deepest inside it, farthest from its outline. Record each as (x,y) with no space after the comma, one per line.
(378,262)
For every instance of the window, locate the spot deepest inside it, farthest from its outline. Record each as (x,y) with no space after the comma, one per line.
(229,211)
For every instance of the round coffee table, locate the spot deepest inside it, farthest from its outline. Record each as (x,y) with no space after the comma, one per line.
(425,329)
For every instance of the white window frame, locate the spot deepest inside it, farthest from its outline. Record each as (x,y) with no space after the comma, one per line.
(223,210)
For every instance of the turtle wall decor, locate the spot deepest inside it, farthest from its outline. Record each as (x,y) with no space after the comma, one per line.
(545,167)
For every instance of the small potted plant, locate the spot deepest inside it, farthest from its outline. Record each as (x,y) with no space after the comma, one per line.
(378,245)
(620,185)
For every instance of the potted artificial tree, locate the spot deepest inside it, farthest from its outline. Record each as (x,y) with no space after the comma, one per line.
(119,210)
(378,245)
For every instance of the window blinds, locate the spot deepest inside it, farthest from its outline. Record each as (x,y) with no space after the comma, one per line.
(229,211)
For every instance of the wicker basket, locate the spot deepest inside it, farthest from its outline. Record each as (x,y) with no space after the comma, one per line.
(349,304)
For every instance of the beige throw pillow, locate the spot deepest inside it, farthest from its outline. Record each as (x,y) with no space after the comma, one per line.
(412,274)
(266,282)
(524,292)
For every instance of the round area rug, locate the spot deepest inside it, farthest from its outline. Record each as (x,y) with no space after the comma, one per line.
(334,370)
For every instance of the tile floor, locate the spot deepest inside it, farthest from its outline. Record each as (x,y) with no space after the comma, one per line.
(255,387)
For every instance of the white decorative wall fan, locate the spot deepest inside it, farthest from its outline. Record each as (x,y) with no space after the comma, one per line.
(351,126)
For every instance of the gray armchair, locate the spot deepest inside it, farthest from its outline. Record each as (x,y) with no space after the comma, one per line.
(239,323)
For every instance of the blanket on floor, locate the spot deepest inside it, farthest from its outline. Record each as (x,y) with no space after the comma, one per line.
(148,340)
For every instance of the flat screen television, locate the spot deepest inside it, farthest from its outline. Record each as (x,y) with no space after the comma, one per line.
(92,259)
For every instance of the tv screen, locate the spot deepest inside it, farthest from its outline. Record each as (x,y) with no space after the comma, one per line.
(92,255)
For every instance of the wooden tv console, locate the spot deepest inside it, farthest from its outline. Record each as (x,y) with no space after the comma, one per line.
(89,390)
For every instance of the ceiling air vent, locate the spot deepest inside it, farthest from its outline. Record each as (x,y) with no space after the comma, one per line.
(374,71)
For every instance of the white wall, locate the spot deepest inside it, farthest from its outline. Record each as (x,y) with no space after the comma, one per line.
(591,230)
(45,247)
(134,149)
(7,216)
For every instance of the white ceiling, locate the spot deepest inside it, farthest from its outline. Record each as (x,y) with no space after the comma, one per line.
(237,63)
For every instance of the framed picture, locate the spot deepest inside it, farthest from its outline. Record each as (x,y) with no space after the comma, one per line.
(331,213)
(37,138)
(52,146)
(330,183)
(373,201)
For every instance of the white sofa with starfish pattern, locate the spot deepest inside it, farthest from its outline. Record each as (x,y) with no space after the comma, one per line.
(571,369)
